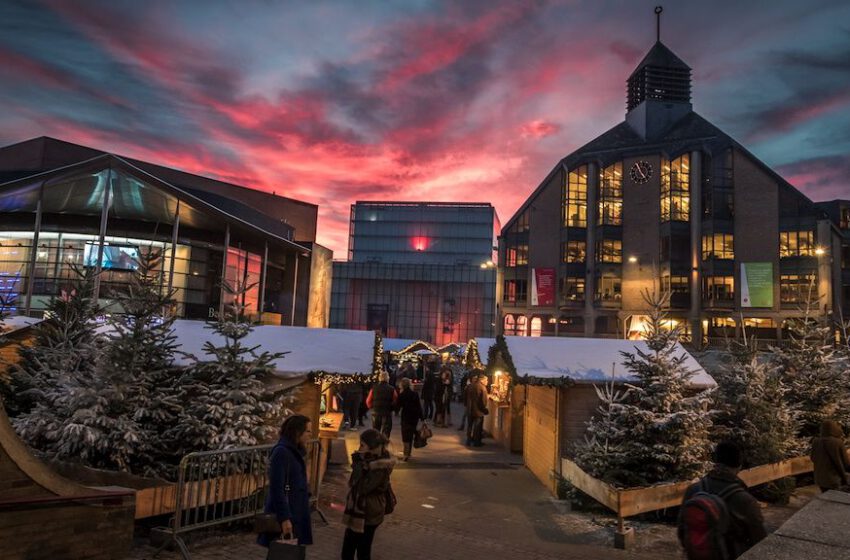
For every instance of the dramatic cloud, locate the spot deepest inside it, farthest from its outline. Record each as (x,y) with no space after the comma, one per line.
(335,101)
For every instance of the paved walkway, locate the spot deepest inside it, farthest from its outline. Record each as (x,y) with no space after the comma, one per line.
(454,503)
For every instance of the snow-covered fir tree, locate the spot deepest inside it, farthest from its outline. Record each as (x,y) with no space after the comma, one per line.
(42,389)
(657,430)
(227,402)
(814,372)
(128,403)
(752,406)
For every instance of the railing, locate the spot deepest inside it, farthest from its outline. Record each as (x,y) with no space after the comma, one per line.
(219,487)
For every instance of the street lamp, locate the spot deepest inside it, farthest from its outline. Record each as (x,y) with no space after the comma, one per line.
(820,251)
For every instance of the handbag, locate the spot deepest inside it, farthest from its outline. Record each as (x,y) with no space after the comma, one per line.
(391,500)
(418,441)
(286,550)
(266,523)
(425,432)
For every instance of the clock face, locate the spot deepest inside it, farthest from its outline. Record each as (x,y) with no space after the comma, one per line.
(641,172)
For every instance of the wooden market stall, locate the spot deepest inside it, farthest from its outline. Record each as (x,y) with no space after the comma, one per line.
(316,362)
(554,379)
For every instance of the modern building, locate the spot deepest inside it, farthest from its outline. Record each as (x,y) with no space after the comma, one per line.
(418,270)
(63,205)
(666,201)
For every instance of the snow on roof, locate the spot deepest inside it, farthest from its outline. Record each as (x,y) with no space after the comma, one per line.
(310,350)
(584,360)
(396,344)
(16,323)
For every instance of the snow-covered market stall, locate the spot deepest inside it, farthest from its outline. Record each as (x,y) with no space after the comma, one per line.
(316,361)
(543,391)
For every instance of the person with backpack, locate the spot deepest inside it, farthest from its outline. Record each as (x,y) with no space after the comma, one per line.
(719,518)
(370,495)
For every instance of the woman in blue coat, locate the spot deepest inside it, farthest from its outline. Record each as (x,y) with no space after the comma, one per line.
(289,494)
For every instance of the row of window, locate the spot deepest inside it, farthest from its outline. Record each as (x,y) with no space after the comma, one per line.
(714,246)
(793,288)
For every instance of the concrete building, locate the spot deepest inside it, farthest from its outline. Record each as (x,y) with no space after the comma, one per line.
(665,201)
(64,205)
(418,270)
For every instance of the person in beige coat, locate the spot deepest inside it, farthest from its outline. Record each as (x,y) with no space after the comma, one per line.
(830,457)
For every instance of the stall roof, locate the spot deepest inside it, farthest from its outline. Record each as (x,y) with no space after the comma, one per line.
(16,323)
(311,350)
(396,344)
(583,360)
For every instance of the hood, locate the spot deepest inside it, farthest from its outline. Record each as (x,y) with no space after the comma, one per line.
(831,428)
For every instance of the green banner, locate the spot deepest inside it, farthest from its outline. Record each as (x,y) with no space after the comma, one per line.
(757,284)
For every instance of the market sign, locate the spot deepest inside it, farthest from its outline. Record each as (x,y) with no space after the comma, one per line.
(757,284)
(543,286)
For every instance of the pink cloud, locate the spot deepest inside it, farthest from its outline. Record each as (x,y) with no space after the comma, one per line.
(539,129)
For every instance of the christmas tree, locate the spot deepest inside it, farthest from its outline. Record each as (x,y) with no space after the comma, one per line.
(226,398)
(42,393)
(657,428)
(752,407)
(813,370)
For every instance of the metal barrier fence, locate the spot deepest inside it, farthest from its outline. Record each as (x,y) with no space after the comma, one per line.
(218,487)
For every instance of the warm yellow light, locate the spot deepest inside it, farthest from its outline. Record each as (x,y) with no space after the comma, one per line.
(489,263)
(633,259)
(483,265)
(820,251)
(498,372)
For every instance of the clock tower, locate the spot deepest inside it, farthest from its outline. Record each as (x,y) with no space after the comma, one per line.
(658,91)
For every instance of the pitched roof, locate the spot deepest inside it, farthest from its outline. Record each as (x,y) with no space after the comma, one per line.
(661,56)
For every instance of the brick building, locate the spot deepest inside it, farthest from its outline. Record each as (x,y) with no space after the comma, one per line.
(666,201)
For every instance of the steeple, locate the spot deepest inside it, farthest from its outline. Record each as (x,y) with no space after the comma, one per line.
(659,88)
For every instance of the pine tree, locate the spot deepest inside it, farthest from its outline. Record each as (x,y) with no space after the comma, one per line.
(658,429)
(752,407)
(129,402)
(42,389)
(812,369)
(227,401)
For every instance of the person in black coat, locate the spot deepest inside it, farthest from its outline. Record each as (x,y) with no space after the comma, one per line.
(411,414)
(289,493)
(429,386)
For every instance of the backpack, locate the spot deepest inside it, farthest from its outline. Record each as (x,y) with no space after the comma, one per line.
(704,522)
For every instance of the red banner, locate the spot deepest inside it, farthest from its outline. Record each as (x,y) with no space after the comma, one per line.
(543,286)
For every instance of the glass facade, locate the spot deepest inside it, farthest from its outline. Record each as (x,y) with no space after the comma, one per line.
(718,246)
(136,215)
(675,189)
(424,270)
(796,244)
(575,198)
(611,195)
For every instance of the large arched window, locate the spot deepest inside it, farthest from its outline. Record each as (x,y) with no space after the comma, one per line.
(510,325)
(536,326)
(521,325)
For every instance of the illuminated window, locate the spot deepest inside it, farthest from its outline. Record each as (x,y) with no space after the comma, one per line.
(675,284)
(794,288)
(609,251)
(521,325)
(796,244)
(609,288)
(574,251)
(572,289)
(516,255)
(515,291)
(510,325)
(718,246)
(575,198)
(675,189)
(845,218)
(536,326)
(758,323)
(611,195)
(720,288)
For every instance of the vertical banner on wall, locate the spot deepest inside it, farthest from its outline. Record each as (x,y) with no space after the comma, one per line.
(757,284)
(543,286)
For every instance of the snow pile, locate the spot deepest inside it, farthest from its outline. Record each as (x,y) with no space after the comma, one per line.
(584,360)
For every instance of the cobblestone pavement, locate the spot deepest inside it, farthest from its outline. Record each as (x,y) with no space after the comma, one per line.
(454,503)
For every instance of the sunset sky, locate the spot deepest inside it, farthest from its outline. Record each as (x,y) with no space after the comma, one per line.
(332,102)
